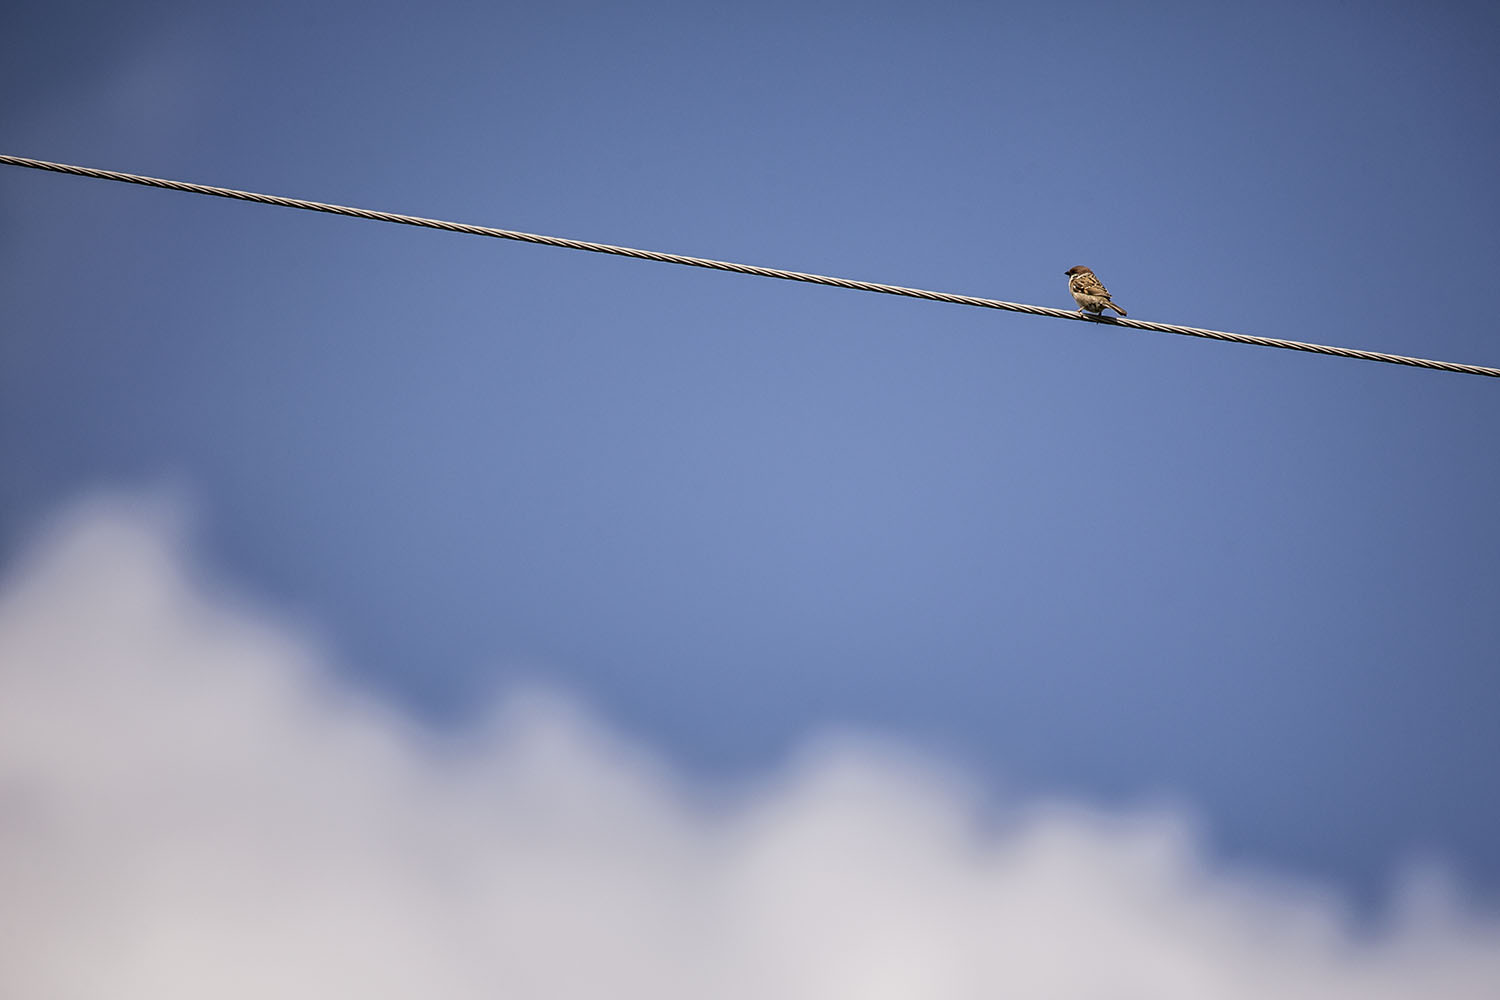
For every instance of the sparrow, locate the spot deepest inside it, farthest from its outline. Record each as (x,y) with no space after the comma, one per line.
(1089,292)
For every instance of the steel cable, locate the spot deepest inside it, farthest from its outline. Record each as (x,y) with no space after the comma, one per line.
(723,265)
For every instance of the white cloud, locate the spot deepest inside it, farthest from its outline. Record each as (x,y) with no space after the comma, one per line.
(190,806)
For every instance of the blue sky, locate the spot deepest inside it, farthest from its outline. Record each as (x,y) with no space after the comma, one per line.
(728,514)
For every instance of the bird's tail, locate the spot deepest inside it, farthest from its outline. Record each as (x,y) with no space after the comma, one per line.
(1111,305)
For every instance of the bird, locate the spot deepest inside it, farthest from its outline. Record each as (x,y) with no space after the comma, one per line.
(1089,292)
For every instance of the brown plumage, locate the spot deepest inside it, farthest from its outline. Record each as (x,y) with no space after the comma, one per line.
(1089,292)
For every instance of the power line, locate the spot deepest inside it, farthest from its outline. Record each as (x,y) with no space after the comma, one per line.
(722,265)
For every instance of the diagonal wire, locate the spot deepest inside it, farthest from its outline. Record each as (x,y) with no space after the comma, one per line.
(723,265)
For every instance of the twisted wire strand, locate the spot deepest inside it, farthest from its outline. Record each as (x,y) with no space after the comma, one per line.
(724,265)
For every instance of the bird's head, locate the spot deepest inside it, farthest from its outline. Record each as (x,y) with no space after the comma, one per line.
(1080,269)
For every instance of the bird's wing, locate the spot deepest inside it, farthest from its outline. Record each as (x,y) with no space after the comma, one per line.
(1089,284)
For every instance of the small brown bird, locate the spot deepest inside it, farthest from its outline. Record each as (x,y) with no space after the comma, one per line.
(1089,292)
